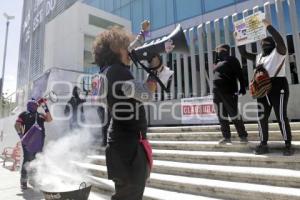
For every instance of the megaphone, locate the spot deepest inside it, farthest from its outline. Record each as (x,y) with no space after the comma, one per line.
(174,42)
(52,96)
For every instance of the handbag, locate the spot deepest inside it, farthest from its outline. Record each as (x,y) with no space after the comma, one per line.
(33,140)
(261,84)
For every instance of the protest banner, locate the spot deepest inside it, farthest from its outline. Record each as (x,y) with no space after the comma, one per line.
(198,110)
(250,29)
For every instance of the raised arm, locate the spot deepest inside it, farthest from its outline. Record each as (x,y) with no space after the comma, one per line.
(47,116)
(142,92)
(245,54)
(140,38)
(280,45)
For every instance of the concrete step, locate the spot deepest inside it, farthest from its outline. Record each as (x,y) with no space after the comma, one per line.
(215,136)
(271,160)
(213,128)
(107,186)
(267,176)
(215,146)
(212,188)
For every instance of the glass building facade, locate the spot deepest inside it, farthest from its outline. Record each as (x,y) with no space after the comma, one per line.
(166,12)
(160,12)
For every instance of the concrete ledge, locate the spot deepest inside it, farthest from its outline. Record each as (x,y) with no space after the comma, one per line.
(213,128)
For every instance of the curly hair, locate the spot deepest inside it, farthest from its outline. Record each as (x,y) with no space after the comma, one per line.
(107,45)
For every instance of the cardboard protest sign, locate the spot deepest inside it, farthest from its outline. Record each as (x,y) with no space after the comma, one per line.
(250,29)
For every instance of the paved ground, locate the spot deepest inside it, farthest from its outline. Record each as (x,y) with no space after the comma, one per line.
(10,188)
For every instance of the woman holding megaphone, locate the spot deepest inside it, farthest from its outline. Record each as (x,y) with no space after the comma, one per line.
(128,165)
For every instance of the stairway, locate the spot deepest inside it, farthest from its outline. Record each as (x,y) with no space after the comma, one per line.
(190,164)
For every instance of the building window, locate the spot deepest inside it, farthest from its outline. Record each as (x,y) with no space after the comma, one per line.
(162,13)
(96,3)
(109,5)
(215,4)
(102,23)
(158,19)
(188,8)
(124,2)
(125,12)
(137,15)
(146,9)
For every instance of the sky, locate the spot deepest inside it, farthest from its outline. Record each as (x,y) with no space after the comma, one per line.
(11,7)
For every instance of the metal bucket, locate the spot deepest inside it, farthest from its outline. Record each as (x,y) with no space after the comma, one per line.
(81,194)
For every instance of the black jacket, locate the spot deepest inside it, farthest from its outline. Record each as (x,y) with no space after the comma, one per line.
(128,114)
(226,74)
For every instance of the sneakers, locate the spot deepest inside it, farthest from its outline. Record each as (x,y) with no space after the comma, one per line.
(243,140)
(261,149)
(24,185)
(288,150)
(225,141)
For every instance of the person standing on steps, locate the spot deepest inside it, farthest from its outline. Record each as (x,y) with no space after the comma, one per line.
(227,71)
(272,59)
(126,158)
(77,109)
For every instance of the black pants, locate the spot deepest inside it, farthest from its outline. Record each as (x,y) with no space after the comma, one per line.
(227,105)
(127,166)
(277,99)
(27,158)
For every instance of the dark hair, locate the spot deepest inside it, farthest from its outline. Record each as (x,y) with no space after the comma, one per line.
(268,39)
(225,46)
(107,45)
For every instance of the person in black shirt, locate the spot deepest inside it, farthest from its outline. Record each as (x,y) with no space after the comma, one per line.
(75,103)
(24,122)
(227,71)
(126,159)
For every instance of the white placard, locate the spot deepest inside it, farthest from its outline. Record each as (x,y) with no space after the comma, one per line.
(198,110)
(250,29)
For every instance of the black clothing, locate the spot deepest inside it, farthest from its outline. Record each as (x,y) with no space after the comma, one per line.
(227,105)
(105,119)
(27,158)
(75,103)
(277,99)
(128,168)
(27,119)
(226,73)
(127,124)
(126,159)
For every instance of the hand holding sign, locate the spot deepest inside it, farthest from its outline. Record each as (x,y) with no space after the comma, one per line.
(266,22)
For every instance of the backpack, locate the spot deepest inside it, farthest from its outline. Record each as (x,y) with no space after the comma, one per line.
(261,84)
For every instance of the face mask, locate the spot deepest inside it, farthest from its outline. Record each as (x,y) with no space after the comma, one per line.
(222,55)
(267,49)
(267,46)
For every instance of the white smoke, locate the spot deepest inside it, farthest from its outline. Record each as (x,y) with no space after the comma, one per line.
(54,169)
